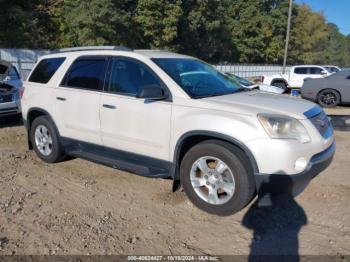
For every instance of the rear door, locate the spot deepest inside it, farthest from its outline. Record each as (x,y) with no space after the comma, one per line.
(77,99)
(297,76)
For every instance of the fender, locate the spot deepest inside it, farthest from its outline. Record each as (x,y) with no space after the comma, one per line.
(211,135)
(28,122)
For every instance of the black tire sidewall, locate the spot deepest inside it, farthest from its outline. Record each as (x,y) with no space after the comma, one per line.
(57,153)
(281,85)
(240,167)
(328,91)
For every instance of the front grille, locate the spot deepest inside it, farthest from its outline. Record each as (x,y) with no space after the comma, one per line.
(323,125)
(6,98)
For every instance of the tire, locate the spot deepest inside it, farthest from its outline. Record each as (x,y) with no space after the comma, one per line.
(51,150)
(280,84)
(238,170)
(328,98)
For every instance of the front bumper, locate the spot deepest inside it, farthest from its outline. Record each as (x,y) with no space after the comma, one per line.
(292,185)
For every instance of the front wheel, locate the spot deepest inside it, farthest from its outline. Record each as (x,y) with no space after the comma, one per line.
(45,140)
(328,98)
(217,177)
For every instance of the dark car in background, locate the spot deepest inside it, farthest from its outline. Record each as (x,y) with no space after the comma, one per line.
(10,89)
(330,91)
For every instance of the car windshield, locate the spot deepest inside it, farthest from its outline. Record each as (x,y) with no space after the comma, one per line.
(332,69)
(197,78)
(240,80)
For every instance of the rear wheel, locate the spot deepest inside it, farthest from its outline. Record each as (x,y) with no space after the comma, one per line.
(281,85)
(328,98)
(217,177)
(45,140)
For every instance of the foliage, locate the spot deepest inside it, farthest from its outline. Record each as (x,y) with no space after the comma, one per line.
(309,37)
(247,31)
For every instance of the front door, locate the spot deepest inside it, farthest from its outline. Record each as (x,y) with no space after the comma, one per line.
(129,124)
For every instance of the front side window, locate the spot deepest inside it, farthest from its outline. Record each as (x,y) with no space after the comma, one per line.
(197,78)
(300,70)
(86,73)
(127,76)
(315,70)
(45,70)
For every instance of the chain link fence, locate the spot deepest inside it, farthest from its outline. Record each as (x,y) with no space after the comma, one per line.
(25,59)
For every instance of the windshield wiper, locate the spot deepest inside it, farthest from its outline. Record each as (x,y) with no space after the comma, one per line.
(243,89)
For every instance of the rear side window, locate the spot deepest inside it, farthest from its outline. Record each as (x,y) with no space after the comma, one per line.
(300,70)
(86,73)
(46,69)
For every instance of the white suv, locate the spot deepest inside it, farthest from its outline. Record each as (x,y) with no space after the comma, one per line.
(161,114)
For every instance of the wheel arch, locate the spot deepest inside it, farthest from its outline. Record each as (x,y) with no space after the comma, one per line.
(32,114)
(189,139)
(275,80)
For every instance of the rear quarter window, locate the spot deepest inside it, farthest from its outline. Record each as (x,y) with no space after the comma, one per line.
(46,69)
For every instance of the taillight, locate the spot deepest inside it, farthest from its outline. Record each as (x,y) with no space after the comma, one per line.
(21,92)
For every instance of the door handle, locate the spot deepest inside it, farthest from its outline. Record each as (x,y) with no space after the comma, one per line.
(109,106)
(61,98)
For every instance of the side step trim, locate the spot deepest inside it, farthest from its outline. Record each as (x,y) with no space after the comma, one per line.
(118,159)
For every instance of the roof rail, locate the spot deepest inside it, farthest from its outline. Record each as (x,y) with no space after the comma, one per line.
(90,48)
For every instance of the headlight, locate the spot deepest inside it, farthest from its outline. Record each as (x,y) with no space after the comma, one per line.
(284,127)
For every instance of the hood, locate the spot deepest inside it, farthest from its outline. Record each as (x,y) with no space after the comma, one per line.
(256,102)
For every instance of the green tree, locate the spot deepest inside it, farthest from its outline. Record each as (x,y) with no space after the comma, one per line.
(258,29)
(338,49)
(309,37)
(204,32)
(96,22)
(27,24)
(159,22)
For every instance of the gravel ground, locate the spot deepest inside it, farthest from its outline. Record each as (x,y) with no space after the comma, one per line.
(77,207)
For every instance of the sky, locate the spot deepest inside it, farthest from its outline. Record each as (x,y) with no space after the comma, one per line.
(335,11)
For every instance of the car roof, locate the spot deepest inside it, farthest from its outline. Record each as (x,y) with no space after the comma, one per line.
(308,66)
(160,53)
(110,50)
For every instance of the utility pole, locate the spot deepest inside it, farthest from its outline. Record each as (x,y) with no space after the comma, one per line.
(287,37)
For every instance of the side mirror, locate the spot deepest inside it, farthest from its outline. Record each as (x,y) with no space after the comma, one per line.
(154,92)
(323,72)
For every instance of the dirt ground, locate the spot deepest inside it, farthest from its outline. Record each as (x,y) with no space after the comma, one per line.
(78,207)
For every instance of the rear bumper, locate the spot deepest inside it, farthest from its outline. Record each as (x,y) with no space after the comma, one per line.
(10,108)
(283,184)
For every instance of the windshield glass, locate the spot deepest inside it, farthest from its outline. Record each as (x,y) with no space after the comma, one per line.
(197,78)
(240,80)
(332,69)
